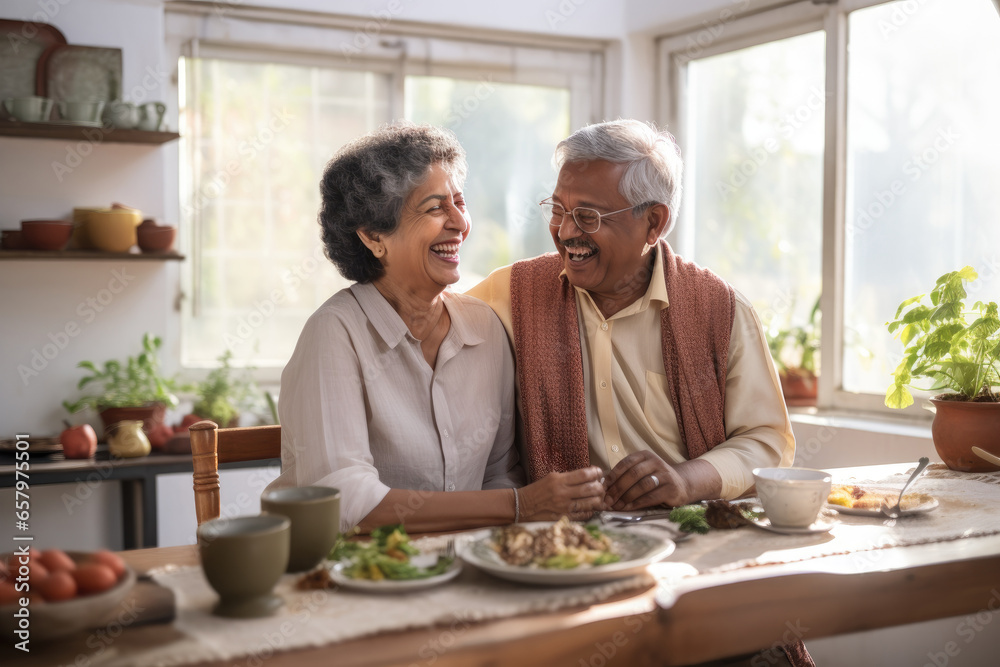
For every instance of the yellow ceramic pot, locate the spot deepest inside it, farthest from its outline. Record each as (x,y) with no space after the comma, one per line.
(129,440)
(113,230)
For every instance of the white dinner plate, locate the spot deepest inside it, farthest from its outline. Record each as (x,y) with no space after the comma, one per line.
(821,525)
(636,549)
(928,503)
(392,585)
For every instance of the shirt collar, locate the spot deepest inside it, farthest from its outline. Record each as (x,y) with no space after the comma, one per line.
(390,326)
(657,289)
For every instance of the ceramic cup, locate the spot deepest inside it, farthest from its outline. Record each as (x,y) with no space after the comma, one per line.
(315,515)
(792,497)
(121,115)
(31,109)
(151,116)
(243,558)
(81,112)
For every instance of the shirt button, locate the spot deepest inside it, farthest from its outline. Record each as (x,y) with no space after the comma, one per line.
(604,385)
(451,487)
(445,432)
(614,448)
(604,326)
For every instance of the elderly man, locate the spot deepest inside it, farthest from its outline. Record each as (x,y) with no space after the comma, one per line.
(629,357)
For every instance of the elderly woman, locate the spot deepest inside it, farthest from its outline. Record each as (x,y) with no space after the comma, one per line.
(400,392)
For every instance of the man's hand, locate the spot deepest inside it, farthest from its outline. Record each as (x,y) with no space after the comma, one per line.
(643,479)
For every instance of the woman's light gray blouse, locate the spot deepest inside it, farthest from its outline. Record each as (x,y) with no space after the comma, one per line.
(362,411)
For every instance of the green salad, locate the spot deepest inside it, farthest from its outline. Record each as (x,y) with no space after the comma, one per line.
(387,556)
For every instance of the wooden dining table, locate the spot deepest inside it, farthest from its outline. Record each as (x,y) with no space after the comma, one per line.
(696,619)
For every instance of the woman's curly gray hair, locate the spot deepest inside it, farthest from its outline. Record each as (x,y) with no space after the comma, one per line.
(367,182)
(654,170)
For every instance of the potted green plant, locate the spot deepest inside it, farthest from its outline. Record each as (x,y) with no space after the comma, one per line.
(135,389)
(944,347)
(224,392)
(795,350)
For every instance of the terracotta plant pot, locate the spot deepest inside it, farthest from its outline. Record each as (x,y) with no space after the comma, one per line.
(151,415)
(799,387)
(960,425)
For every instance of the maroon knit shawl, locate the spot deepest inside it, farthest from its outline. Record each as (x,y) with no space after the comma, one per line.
(695,331)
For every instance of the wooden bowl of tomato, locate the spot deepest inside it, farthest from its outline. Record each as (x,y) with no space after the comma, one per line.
(66,591)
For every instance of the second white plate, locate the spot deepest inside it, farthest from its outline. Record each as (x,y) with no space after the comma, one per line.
(392,585)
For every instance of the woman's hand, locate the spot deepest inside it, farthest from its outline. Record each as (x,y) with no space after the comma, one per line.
(576,494)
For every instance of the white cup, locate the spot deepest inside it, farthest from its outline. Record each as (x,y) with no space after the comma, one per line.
(89,112)
(31,109)
(792,497)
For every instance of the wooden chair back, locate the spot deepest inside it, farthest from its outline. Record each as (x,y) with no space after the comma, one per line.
(211,445)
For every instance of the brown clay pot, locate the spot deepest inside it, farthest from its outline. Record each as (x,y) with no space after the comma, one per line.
(151,416)
(959,426)
(155,239)
(799,387)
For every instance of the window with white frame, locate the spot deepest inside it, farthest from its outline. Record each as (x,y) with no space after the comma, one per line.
(858,173)
(259,124)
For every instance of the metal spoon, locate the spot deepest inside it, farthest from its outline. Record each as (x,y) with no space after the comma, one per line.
(894,511)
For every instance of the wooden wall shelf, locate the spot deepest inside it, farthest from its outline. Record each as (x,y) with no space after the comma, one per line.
(13,128)
(89,255)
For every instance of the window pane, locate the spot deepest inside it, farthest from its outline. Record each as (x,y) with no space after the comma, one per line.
(509,133)
(259,136)
(754,160)
(924,99)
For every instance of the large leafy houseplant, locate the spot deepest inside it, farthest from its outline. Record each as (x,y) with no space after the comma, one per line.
(136,383)
(956,347)
(943,346)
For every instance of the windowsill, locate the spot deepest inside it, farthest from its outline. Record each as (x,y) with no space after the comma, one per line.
(827,439)
(862,421)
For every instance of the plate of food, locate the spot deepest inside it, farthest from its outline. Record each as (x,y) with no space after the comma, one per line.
(390,564)
(868,501)
(562,553)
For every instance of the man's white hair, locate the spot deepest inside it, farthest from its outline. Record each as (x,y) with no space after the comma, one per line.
(654,167)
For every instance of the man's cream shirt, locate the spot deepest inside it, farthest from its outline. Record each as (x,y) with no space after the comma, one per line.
(628,405)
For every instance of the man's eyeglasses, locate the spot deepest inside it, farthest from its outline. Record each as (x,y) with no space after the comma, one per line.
(587,219)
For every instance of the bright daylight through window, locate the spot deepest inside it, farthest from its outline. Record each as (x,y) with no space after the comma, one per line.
(923,103)
(259,136)
(754,192)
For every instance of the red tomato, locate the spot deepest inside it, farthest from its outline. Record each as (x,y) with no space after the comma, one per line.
(105,557)
(58,586)
(8,594)
(14,561)
(56,560)
(94,578)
